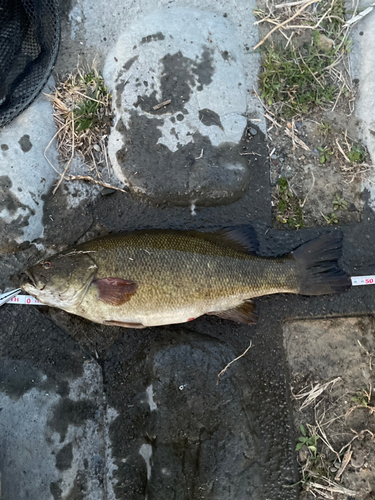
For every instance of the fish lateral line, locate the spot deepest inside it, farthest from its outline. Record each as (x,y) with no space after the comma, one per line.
(15,297)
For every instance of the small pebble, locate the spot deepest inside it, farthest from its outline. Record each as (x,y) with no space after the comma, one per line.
(299,125)
(96,147)
(253,131)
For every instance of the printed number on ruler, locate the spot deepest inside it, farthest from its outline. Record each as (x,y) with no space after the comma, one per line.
(363,280)
(25,299)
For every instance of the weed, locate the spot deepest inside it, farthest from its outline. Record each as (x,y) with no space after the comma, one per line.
(296,78)
(362,398)
(310,441)
(289,206)
(324,154)
(87,111)
(339,203)
(82,107)
(331,219)
(357,154)
(325,129)
(333,25)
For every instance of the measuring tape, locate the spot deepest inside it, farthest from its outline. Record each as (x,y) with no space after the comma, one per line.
(363,280)
(32,301)
(25,300)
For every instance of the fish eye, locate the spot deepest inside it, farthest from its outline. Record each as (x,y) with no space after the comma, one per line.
(47,264)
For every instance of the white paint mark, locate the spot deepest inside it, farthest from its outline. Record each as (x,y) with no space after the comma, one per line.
(234,167)
(75,18)
(146,453)
(192,209)
(150,398)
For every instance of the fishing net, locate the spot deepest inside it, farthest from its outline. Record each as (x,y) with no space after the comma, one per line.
(29,42)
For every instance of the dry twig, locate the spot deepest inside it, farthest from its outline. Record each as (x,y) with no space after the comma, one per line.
(344,464)
(287,21)
(310,190)
(95,181)
(368,354)
(342,151)
(228,365)
(162,105)
(69,162)
(314,393)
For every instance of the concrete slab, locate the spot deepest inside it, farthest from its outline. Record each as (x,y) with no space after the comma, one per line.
(180,435)
(52,413)
(188,151)
(116,18)
(363,69)
(161,154)
(25,175)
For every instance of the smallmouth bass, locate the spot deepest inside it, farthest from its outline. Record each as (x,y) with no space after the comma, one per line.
(157,277)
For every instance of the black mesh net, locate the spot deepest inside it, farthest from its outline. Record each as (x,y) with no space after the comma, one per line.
(29,42)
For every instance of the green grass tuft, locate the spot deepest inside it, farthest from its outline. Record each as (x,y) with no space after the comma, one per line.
(289,206)
(297,78)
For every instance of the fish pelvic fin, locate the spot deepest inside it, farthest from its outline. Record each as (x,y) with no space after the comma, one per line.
(319,270)
(245,313)
(115,291)
(137,326)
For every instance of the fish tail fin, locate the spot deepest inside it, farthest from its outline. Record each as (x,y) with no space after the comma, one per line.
(320,272)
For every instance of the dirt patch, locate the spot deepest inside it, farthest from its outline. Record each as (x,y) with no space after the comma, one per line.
(314,177)
(309,96)
(336,426)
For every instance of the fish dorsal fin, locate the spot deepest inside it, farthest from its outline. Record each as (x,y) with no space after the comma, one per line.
(242,238)
(244,313)
(115,291)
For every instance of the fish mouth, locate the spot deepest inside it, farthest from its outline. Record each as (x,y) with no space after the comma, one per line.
(32,281)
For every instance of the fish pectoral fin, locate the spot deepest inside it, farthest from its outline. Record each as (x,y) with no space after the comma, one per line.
(137,326)
(244,313)
(115,291)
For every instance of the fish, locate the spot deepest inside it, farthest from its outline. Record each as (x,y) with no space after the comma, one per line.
(161,277)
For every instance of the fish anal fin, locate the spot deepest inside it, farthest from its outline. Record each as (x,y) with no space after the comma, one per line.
(245,313)
(137,326)
(115,291)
